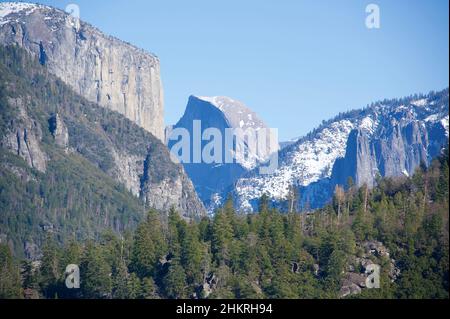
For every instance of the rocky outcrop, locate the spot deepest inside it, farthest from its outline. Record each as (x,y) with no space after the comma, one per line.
(209,285)
(397,151)
(359,161)
(402,148)
(164,185)
(103,69)
(374,253)
(23,137)
(128,168)
(59,131)
(32,251)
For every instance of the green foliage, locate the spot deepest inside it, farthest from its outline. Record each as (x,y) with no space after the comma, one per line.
(175,280)
(51,268)
(10,287)
(78,195)
(149,246)
(95,273)
(264,255)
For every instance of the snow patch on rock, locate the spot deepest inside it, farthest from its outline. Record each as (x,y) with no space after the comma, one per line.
(7,8)
(308,162)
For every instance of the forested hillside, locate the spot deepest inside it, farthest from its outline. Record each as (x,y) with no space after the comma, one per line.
(400,225)
(71,168)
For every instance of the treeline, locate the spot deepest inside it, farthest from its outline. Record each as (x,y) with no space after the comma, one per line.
(253,256)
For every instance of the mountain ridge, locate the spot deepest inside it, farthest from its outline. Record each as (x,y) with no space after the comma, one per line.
(309,161)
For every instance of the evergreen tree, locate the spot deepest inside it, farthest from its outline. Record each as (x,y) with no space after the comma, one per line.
(149,289)
(120,282)
(134,287)
(222,235)
(95,273)
(10,287)
(51,270)
(192,252)
(149,246)
(334,269)
(175,281)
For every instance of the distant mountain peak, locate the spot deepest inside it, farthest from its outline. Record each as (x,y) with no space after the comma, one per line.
(222,113)
(236,112)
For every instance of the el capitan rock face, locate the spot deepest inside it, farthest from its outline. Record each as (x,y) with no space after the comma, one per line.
(73,167)
(108,73)
(102,69)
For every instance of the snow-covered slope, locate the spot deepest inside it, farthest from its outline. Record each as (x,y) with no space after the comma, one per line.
(236,112)
(416,126)
(301,164)
(9,8)
(238,115)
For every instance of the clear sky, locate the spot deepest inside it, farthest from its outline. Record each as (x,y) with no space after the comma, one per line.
(293,62)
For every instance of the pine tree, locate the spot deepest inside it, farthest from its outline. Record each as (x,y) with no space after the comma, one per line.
(205,229)
(335,268)
(192,252)
(149,246)
(72,254)
(175,281)
(442,186)
(120,282)
(28,274)
(134,287)
(10,287)
(176,230)
(222,235)
(95,273)
(50,270)
(149,289)
(263,203)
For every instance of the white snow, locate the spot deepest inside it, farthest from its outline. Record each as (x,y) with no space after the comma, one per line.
(368,124)
(236,111)
(312,159)
(421,102)
(238,115)
(307,163)
(216,202)
(217,101)
(444,123)
(432,118)
(7,8)
(401,108)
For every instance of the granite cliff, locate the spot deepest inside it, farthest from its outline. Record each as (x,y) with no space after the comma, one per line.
(101,68)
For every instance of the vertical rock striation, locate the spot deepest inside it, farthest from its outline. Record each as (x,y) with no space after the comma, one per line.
(103,69)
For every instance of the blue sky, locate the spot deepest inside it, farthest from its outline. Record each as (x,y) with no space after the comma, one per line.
(293,62)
